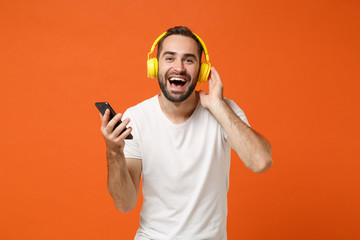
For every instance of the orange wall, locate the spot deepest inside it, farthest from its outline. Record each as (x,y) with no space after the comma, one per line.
(292,66)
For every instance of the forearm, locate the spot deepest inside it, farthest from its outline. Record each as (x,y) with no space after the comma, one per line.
(120,184)
(252,148)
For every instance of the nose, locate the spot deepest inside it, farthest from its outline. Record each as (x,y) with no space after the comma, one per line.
(179,66)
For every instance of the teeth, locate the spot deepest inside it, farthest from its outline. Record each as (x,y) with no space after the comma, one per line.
(177,79)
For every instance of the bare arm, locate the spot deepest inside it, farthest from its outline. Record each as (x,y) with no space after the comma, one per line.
(251,147)
(123,174)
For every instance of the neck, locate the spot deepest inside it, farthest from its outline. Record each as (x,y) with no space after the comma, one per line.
(179,112)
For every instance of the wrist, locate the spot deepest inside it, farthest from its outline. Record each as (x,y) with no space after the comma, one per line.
(216,105)
(115,155)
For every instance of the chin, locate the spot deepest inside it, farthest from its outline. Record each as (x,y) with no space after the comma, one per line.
(179,98)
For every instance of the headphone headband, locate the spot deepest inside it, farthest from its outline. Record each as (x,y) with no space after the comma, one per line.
(155,43)
(204,47)
(207,59)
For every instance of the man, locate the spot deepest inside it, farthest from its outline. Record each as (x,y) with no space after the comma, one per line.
(181,148)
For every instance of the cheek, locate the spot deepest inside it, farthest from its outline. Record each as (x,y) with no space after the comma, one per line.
(195,70)
(162,68)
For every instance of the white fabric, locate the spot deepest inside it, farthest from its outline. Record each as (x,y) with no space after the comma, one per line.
(185,172)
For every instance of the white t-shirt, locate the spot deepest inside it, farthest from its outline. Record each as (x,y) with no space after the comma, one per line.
(185,172)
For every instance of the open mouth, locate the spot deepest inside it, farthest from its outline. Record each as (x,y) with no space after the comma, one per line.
(177,82)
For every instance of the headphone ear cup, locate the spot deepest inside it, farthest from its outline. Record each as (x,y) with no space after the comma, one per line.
(204,72)
(152,68)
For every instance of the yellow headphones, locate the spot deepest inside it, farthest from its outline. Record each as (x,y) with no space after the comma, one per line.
(153,65)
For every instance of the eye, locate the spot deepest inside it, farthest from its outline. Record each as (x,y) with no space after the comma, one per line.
(188,60)
(169,58)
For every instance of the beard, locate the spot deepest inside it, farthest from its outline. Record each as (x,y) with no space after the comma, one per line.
(176,97)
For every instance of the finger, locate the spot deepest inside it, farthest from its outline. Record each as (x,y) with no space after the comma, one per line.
(215,74)
(120,128)
(202,93)
(216,78)
(211,82)
(105,118)
(214,70)
(124,134)
(112,122)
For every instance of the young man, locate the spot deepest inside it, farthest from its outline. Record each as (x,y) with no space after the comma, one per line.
(181,148)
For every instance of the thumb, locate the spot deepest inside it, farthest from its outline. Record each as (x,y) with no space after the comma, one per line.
(202,93)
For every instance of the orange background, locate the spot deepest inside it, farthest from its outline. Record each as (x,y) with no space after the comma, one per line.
(292,66)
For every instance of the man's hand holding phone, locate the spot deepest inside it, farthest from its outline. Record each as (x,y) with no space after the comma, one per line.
(112,128)
(114,138)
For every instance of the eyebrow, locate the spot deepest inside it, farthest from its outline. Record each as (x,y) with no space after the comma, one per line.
(186,54)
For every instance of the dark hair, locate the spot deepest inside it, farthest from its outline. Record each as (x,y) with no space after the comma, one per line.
(183,31)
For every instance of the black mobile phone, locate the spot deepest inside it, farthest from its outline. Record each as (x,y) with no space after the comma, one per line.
(102,106)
